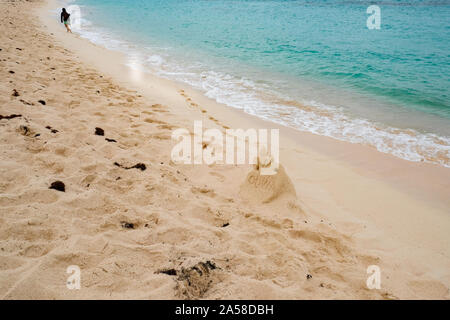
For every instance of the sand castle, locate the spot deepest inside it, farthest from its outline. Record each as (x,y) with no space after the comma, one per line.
(268,187)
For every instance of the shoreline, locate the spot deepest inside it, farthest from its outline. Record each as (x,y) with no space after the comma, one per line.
(360,157)
(380,209)
(322,144)
(408,134)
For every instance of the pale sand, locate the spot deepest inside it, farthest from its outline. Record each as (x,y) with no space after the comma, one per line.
(352,206)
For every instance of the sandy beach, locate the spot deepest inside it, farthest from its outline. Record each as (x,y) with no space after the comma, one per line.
(140,226)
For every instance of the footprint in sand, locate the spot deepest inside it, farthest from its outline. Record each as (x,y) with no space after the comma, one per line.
(35,251)
(160,136)
(166,127)
(151,120)
(203,190)
(159,108)
(220,177)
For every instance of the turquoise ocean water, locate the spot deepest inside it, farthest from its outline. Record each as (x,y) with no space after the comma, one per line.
(311,65)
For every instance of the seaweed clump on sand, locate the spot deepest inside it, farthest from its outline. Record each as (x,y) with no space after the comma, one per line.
(194,282)
(99,131)
(169,272)
(139,165)
(12,116)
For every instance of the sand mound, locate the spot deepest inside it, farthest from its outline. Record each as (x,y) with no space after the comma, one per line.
(261,188)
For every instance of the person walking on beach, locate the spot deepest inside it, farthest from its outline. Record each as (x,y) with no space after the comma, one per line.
(65,19)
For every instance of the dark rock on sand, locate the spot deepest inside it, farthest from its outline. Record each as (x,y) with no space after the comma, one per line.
(225,225)
(51,129)
(127,225)
(136,166)
(12,116)
(99,131)
(58,185)
(110,140)
(15,93)
(42,102)
(170,272)
(308,276)
(12,72)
